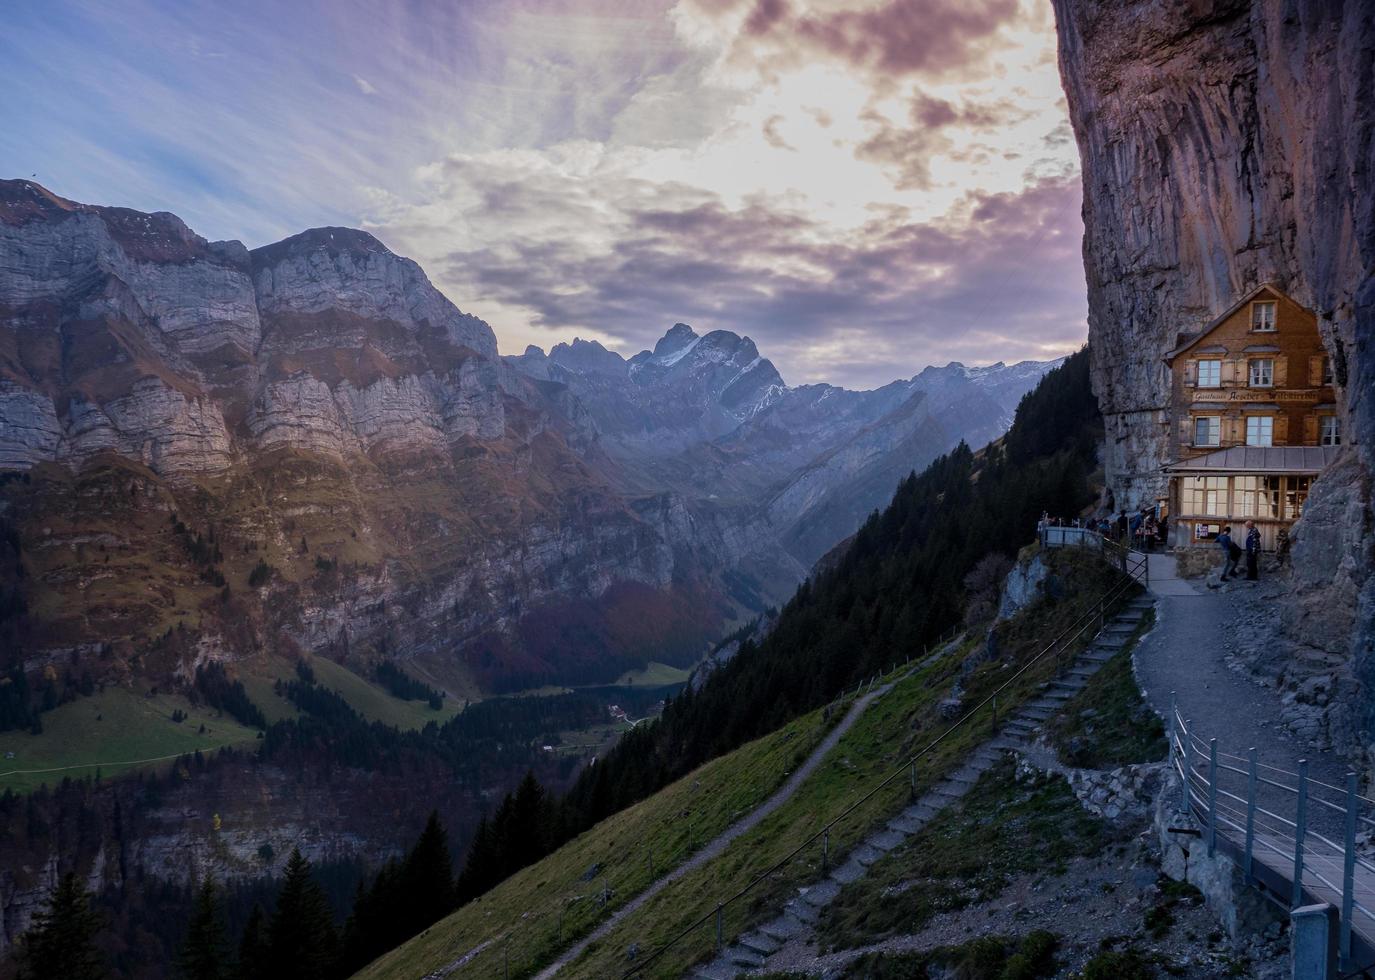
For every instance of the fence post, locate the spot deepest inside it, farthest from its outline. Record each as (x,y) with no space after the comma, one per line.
(825,849)
(1348,872)
(1300,830)
(1185,771)
(718,925)
(1212,796)
(914,779)
(1174,756)
(1251,776)
(995,716)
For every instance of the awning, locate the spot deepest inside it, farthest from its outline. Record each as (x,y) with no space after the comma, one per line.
(1298,460)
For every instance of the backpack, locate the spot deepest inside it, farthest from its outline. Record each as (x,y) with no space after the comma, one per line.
(1233,552)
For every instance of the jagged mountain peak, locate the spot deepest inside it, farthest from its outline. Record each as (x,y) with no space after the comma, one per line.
(678,336)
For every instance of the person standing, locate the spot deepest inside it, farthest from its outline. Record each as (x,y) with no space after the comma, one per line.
(1230,552)
(1252,552)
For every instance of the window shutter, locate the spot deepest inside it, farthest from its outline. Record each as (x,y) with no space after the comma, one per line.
(1233,431)
(1315,371)
(1310,430)
(1191,371)
(1186,431)
(1229,372)
(1281,436)
(1281,371)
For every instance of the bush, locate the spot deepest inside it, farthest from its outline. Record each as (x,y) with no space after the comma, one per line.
(1126,965)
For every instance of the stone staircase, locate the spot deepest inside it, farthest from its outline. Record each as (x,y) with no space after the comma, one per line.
(751,951)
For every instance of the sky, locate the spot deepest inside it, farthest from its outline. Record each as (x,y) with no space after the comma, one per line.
(864,187)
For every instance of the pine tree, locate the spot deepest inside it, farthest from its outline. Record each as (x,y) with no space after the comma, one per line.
(301,941)
(427,877)
(202,955)
(253,960)
(61,940)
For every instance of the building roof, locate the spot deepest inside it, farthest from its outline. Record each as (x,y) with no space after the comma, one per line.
(1260,459)
(1217,321)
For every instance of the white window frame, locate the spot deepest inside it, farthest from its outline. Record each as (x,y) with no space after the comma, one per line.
(1216,372)
(1263,432)
(1329,430)
(1327,376)
(1216,427)
(1260,322)
(1258,376)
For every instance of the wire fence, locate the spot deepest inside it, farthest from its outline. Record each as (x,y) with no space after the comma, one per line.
(1302,839)
(1133,569)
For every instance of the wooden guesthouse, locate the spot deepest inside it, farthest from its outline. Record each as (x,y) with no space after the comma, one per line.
(1253,419)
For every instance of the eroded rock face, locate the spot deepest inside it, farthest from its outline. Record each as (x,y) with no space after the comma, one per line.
(1224,144)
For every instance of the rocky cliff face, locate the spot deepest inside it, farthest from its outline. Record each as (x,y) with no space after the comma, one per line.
(1226,143)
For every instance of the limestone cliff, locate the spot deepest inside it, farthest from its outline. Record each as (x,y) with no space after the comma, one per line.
(1225,143)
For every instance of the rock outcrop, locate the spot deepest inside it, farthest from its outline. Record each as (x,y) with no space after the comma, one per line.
(1223,144)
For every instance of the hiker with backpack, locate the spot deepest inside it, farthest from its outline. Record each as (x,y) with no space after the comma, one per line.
(1230,551)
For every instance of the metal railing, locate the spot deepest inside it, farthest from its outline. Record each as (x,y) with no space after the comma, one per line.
(1090,622)
(1296,837)
(1128,560)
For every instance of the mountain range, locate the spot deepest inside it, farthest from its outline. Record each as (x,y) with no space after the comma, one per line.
(373,478)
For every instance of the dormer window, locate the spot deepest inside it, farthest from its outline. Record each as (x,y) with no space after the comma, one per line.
(1263,372)
(1263,317)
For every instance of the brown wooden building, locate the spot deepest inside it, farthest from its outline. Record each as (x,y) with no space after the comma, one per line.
(1251,388)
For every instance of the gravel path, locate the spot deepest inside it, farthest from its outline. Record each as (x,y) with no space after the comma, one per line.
(1187,652)
(717,846)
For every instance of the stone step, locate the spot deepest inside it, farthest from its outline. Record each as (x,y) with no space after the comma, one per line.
(743,956)
(1018,726)
(783,928)
(1012,743)
(1055,695)
(1069,686)
(760,943)
(951,791)
(1141,602)
(906,825)
(1130,615)
(1040,712)
(1095,656)
(715,971)
(886,841)
(1111,642)
(866,855)
(968,774)
(849,871)
(822,893)
(988,754)
(803,911)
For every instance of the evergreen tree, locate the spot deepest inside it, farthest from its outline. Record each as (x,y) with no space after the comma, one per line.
(301,941)
(427,877)
(253,960)
(203,952)
(61,940)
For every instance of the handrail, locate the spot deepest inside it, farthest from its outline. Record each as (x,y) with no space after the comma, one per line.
(1312,859)
(1094,615)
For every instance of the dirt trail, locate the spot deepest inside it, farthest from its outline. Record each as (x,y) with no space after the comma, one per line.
(718,845)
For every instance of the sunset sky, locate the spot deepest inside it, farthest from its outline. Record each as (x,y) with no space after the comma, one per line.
(864,189)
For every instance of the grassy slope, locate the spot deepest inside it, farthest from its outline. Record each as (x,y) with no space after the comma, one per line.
(678,821)
(114,726)
(968,854)
(1108,723)
(654,674)
(889,731)
(365,696)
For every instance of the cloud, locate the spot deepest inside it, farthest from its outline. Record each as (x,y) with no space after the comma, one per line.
(364,86)
(1000,278)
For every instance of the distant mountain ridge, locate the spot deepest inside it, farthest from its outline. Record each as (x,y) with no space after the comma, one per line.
(709,415)
(326,413)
